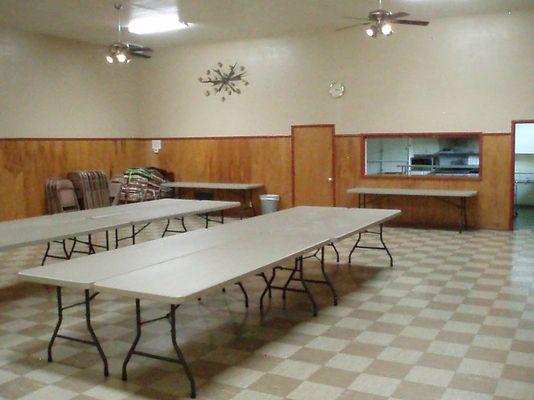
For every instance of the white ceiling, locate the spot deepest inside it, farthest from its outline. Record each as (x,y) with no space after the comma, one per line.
(214,20)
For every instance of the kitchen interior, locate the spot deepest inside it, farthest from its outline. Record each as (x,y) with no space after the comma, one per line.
(524,176)
(423,155)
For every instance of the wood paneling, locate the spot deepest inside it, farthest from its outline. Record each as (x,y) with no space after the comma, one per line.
(313,175)
(26,164)
(250,160)
(489,210)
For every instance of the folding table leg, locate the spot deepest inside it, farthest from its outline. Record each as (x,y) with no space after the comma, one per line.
(171,316)
(65,251)
(45,254)
(268,283)
(93,342)
(384,247)
(327,280)
(244,292)
(305,286)
(167,230)
(335,250)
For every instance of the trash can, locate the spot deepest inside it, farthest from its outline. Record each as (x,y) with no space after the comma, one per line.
(269,203)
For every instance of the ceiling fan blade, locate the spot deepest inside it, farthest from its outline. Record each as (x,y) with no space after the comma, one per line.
(353,26)
(142,55)
(360,18)
(409,22)
(136,47)
(401,14)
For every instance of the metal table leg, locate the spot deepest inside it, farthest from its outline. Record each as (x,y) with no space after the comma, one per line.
(93,342)
(383,247)
(171,317)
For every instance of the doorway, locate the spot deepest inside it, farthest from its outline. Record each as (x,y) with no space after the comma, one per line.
(313,168)
(523,174)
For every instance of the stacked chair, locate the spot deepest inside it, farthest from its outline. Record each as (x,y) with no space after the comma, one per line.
(82,189)
(92,188)
(115,186)
(60,196)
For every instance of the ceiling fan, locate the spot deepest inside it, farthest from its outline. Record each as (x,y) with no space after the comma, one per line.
(379,21)
(122,52)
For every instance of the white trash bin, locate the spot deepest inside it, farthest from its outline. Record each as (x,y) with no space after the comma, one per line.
(269,203)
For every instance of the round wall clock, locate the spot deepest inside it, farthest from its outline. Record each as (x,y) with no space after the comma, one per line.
(336,89)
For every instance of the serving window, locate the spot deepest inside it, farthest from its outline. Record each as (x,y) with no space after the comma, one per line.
(423,155)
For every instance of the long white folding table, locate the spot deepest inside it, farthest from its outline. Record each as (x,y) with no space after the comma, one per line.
(444,195)
(179,268)
(64,226)
(246,190)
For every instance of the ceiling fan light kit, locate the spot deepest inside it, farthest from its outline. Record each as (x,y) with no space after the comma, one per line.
(122,52)
(379,22)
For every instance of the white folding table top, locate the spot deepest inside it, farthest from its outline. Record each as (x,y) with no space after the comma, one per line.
(188,277)
(335,222)
(67,225)
(414,192)
(213,185)
(83,272)
(182,266)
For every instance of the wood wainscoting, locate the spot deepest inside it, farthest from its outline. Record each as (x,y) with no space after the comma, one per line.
(265,159)
(490,209)
(25,164)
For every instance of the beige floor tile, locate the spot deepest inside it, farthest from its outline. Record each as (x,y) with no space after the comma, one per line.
(514,390)
(473,383)
(418,391)
(19,387)
(295,369)
(349,362)
(430,376)
(315,391)
(253,395)
(374,384)
(456,394)
(333,377)
(453,304)
(237,376)
(518,373)
(275,384)
(314,356)
(328,344)
(388,369)
(440,361)
(376,338)
(50,392)
(482,368)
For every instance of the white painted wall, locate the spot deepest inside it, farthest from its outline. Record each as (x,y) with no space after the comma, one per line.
(61,88)
(459,74)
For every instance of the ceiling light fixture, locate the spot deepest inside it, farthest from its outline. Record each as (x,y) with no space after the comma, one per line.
(386,29)
(118,51)
(372,31)
(156,24)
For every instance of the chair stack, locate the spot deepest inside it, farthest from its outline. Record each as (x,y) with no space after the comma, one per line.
(92,188)
(60,196)
(141,184)
(115,185)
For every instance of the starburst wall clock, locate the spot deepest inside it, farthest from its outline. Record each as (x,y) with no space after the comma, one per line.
(225,81)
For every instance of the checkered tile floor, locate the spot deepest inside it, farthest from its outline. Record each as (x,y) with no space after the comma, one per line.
(454,319)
